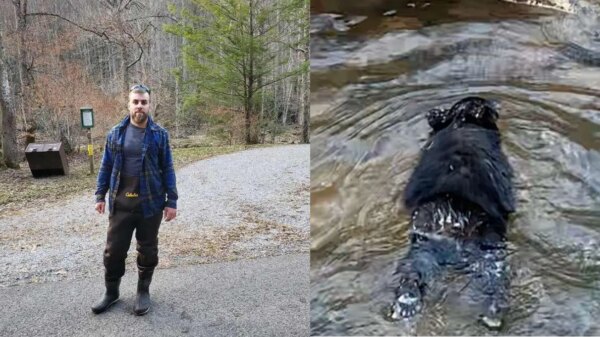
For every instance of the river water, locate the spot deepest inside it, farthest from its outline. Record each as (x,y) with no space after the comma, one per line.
(375,71)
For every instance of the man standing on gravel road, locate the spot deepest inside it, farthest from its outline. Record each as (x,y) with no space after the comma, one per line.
(137,172)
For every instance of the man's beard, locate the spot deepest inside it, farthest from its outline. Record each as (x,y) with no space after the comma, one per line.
(139,117)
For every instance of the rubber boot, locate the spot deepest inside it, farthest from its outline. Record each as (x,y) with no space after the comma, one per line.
(142,299)
(110,297)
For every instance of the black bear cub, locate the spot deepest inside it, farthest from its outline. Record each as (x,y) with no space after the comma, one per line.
(460,195)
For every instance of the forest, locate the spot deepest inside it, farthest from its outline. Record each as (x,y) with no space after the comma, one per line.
(232,70)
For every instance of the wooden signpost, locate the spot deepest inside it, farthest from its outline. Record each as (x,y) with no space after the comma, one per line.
(87,122)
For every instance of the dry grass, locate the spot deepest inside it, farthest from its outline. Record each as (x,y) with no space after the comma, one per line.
(227,243)
(253,237)
(303,189)
(18,187)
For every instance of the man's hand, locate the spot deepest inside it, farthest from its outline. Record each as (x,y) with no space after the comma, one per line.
(100,207)
(169,213)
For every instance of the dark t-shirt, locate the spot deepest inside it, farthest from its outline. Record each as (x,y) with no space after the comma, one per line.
(128,198)
(132,151)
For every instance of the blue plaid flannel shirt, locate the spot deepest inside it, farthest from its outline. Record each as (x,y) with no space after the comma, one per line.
(157,179)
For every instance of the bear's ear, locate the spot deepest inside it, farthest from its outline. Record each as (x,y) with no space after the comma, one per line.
(438,119)
(478,111)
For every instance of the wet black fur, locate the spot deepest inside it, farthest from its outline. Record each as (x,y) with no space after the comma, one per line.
(461,174)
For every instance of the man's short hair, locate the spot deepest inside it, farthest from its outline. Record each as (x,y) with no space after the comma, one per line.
(140,89)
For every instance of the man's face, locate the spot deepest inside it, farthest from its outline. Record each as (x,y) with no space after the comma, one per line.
(139,106)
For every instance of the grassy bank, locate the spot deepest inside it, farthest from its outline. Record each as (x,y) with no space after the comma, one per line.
(18,187)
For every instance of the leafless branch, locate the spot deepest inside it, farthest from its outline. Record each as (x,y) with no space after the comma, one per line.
(221,93)
(30,66)
(100,34)
(139,46)
(126,5)
(290,74)
(152,16)
(291,46)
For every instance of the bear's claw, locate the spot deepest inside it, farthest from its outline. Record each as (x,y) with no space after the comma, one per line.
(408,302)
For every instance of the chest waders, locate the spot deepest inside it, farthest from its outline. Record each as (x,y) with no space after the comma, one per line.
(126,217)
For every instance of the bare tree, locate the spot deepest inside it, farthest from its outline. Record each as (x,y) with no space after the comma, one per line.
(9,136)
(25,62)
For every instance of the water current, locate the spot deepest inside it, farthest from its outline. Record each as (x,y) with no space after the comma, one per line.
(376,68)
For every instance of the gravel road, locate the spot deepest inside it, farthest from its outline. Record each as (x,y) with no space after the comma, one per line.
(248,204)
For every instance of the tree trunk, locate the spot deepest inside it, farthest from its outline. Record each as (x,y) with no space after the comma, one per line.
(177,107)
(250,137)
(24,94)
(10,151)
(124,71)
(248,120)
(305,107)
(286,103)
